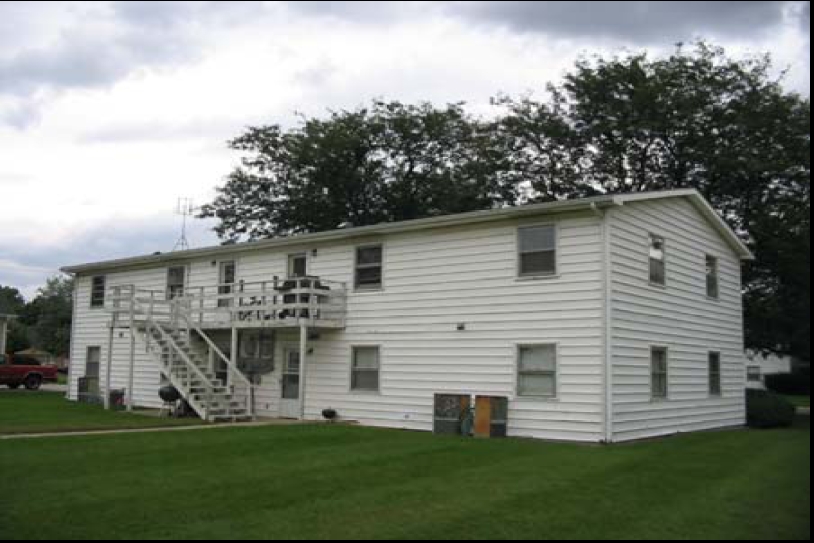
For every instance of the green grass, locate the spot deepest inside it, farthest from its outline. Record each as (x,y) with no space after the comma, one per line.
(321,481)
(799,401)
(24,412)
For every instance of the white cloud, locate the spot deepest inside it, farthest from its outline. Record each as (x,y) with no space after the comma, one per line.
(109,112)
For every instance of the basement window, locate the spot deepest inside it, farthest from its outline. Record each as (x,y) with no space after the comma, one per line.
(537,371)
(537,250)
(365,369)
(97,291)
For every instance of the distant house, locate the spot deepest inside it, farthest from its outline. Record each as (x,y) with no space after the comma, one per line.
(759,365)
(39,355)
(4,321)
(602,319)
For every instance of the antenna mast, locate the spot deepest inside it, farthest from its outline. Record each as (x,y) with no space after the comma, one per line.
(185,208)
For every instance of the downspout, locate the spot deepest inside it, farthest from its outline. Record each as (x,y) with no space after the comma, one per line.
(607,353)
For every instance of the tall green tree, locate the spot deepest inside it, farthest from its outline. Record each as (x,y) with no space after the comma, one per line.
(48,316)
(386,162)
(696,118)
(13,303)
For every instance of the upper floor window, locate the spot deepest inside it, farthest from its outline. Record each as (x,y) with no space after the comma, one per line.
(753,374)
(537,370)
(712,277)
(715,374)
(658,373)
(658,273)
(537,250)
(368,267)
(226,282)
(176,279)
(97,291)
(297,265)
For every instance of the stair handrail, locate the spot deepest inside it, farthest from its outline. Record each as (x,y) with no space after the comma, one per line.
(229,364)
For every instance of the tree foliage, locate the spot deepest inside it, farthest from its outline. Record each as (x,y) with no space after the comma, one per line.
(45,321)
(696,118)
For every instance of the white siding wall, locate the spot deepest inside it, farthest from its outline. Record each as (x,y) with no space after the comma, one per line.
(432,281)
(90,329)
(678,316)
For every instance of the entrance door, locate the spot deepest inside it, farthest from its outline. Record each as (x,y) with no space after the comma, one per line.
(290,393)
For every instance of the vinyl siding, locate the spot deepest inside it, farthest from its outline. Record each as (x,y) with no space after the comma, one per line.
(433,280)
(678,316)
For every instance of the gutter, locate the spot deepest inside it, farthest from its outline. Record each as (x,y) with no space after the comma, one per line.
(460,219)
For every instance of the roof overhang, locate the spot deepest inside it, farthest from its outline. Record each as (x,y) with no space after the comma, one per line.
(460,219)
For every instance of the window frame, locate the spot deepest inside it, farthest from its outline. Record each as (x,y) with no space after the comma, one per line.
(223,289)
(759,374)
(363,288)
(666,396)
(290,264)
(715,388)
(353,349)
(519,252)
(715,276)
(94,302)
(168,291)
(518,373)
(650,238)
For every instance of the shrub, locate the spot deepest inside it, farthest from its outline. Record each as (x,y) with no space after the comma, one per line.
(797,383)
(765,409)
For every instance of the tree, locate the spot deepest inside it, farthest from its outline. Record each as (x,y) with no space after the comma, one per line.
(388,162)
(48,316)
(694,119)
(13,303)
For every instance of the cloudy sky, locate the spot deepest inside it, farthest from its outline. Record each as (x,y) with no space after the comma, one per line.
(110,111)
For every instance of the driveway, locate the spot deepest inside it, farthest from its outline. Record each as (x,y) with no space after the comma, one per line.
(47,387)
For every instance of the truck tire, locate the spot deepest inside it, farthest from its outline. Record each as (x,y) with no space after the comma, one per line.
(33,382)
(15,386)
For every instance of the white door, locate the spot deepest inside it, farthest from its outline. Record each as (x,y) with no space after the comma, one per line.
(290,392)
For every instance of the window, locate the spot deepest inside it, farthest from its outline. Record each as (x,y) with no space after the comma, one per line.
(537,250)
(658,274)
(97,291)
(365,369)
(93,359)
(175,281)
(226,282)
(658,373)
(537,371)
(753,374)
(368,267)
(715,374)
(2,359)
(297,265)
(712,276)
(291,375)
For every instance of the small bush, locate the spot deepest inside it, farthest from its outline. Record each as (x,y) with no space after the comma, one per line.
(766,409)
(796,384)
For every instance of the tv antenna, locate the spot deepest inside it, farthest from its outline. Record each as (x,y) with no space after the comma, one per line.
(185,208)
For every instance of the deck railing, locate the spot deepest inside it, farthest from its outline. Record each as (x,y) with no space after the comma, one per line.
(279,302)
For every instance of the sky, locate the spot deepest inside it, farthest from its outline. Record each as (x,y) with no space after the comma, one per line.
(111,111)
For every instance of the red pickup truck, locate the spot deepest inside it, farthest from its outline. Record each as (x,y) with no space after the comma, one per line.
(16,371)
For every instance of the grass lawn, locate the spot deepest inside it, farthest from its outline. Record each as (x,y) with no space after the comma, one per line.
(321,481)
(24,412)
(799,401)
